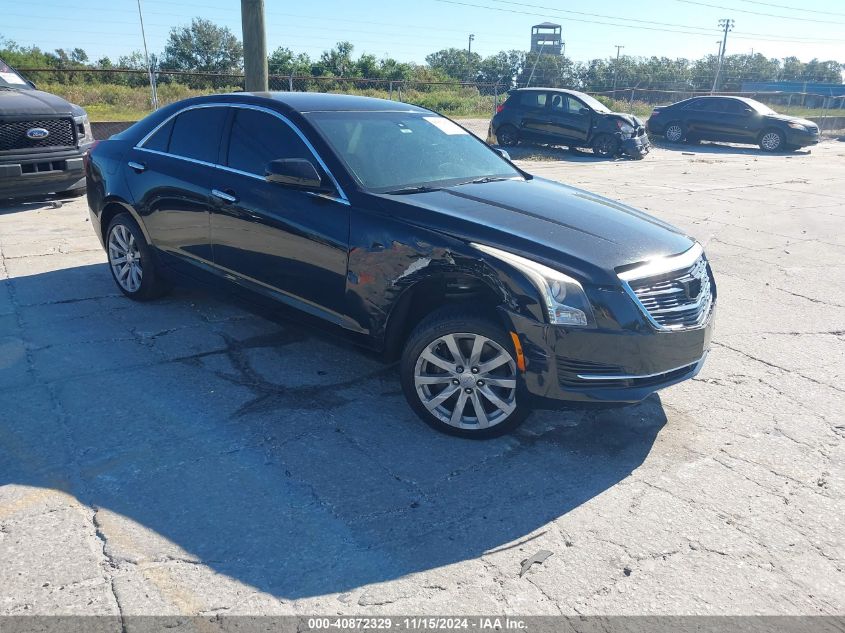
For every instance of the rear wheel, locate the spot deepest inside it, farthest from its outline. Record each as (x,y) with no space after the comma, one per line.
(772,141)
(459,374)
(507,136)
(674,132)
(606,146)
(131,260)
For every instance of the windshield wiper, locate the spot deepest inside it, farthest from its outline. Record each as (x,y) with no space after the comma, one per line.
(481,181)
(407,190)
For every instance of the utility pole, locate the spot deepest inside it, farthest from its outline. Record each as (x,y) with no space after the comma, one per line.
(255,45)
(616,68)
(469,56)
(153,91)
(728,25)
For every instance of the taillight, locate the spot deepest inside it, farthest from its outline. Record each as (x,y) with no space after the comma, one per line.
(500,107)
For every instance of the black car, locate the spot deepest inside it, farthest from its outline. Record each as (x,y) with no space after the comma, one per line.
(732,119)
(43,140)
(498,290)
(566,117)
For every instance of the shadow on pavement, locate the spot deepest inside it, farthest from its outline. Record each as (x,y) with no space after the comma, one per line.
(266,451)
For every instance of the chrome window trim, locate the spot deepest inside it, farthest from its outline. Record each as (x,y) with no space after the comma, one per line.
(341,197)
(696,364)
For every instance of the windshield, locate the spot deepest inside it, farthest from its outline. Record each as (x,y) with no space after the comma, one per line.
(9,78)
(390,151)
(594,103)
(759,107)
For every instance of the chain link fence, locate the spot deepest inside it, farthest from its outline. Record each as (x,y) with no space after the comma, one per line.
(126,95)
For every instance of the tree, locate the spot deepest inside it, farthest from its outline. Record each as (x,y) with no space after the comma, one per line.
(454,62)
(283,61)
(502,68)
(203,47)
(336,62)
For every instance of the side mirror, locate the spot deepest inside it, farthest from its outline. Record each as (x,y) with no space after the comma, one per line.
(294,172)
(502,153)
(584,111)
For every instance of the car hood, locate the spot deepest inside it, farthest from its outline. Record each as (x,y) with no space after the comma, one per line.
(786,118)
(630,119)
(32,103)
(585,234)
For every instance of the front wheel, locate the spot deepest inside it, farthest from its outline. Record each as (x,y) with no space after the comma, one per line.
(606,146)
(459,374)
(772,141)
(131,260)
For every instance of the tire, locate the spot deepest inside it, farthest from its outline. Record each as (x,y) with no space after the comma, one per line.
(772,141)
(606,146)
(461,327)
(507,136)
(674,132)
(139,278)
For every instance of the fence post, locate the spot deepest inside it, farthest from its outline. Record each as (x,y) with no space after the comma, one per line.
(631,105)
(290,83)
(391,91)
(495,97)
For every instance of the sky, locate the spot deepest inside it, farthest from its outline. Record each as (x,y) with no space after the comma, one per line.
(409,30)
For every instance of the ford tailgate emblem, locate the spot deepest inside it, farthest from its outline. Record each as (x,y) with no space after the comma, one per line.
(36,133)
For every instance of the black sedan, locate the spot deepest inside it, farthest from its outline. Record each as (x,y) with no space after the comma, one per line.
(734,120)
(497,290)
(567,117)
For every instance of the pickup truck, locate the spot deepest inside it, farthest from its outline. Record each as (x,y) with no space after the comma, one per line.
(43,140)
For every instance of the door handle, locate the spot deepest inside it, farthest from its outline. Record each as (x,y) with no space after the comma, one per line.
(139,167)
(224,196)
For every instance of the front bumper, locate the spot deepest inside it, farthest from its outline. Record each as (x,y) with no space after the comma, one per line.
(606,366)
(636,146)
(798,138)
(24,175)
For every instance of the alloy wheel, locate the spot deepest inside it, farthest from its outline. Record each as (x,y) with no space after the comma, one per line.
(770,141)
(125,258)
(466,380)
(674,133)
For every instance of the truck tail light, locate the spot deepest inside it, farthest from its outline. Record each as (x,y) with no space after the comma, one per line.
(500,107)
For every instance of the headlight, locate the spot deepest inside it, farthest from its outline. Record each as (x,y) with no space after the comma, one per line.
(797,126)
(563,296)
(624,127)
(83,129)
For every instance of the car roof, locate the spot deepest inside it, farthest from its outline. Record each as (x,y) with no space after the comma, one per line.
(320,102)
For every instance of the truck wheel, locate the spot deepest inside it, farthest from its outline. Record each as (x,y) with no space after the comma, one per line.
(131,260)
(459,374)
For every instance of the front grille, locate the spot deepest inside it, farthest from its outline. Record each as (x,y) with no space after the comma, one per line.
(677,299)
(13,134)
(813,129)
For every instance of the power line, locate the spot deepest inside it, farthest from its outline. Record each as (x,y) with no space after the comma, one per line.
(633,26)
(802,9)
(769,15)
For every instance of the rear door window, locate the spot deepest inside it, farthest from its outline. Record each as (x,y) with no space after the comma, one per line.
(196,134)
(160,141)
(258,138)
(532,99)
